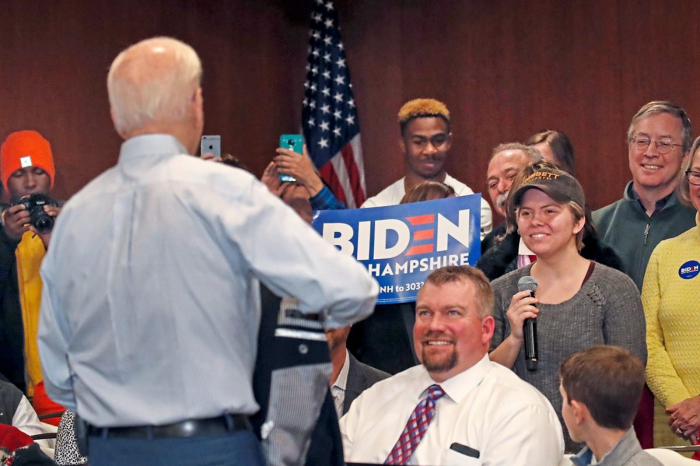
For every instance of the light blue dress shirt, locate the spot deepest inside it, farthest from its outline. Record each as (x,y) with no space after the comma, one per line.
(150,305)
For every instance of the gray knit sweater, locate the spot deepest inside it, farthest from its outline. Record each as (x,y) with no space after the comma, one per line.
(607,310)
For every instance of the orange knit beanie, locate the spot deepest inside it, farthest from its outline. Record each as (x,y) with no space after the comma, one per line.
(25,149)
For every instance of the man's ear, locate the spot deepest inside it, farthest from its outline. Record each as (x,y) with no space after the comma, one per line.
(581,412)
(488,325)
(121,133)
(198,102)
(449,141)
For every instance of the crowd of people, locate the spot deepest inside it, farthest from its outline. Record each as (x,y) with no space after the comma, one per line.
(199,319)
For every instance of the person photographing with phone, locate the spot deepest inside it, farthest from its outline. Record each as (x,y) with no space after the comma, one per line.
(577,304)
(292,164)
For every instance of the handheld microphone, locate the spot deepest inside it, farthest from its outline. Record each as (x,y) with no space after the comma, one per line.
(528,283)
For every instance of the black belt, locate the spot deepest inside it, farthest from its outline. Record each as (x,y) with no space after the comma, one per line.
(188,428)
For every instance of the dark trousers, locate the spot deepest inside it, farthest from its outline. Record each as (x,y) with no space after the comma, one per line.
(239,448)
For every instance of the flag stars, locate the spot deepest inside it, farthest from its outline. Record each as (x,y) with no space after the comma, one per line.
(336,132)
(350,119)
(325,91)
(312,104)
(329,6)
(327,57)
(305,102)
(338,97)
(313,87)
(340,45)
(326,108)
(315,53)
(324,125)
(337,115)
(323,143)
(312,122)
(351,103)
(341,62)
(316,34)
(306,84)
(328,40)
(317,17)
(340,80)
(328,23)
(327,74)
(314,71)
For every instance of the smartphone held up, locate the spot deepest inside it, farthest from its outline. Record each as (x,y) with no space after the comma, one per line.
(210,144)
(294,142)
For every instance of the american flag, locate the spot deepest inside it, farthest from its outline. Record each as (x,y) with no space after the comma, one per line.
(329,116)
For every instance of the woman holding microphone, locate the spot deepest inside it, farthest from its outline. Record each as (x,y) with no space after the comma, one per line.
(578,303)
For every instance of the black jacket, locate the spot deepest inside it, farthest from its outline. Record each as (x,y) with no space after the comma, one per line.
(502,257)
(11,323)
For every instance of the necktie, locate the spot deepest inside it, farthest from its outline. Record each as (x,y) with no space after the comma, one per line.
(415,428)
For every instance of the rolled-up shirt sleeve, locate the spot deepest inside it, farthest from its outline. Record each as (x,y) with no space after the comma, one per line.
(291,259)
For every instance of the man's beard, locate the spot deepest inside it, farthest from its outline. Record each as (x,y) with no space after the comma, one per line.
(439,364)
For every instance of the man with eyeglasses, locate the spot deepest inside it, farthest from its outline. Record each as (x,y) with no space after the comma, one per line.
(649,212)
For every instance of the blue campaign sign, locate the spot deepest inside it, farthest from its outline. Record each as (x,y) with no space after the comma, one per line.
(400,245)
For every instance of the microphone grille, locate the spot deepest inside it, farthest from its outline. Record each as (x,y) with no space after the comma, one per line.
(527,283)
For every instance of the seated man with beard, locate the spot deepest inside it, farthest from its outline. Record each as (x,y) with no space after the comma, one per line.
(457,405)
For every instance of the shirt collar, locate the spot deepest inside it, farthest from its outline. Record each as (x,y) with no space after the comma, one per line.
(150,145)
(660,204)
(342,381)
(620,453)
(456,387)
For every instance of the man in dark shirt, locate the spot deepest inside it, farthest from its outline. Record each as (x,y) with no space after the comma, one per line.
(649,212)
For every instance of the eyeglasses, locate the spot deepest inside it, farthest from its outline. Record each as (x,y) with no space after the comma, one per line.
(693,177)
(663,146)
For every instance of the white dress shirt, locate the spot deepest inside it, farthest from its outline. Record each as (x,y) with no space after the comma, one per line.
(339,386)
(392,195)
(151,305)
(487,408)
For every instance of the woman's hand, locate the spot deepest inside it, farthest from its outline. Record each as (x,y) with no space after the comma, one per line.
(521,308)
(685,418)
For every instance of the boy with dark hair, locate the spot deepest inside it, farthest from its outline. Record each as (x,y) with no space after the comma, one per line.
(600,388)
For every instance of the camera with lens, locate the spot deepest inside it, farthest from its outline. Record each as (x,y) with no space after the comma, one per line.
(38,217)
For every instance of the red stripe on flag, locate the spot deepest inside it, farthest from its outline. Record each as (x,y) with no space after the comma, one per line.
(421,219)
(353,174)
(328,173)
(423,234)
(422,249)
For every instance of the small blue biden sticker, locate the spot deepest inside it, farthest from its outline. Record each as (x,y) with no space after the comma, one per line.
(689,270)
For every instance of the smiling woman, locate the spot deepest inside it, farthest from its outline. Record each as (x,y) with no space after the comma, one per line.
(669,295)
(578,303)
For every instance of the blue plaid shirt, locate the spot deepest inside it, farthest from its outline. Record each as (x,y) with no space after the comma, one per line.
(325,200)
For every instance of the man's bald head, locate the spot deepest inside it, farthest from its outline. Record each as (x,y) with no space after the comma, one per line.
(154,83)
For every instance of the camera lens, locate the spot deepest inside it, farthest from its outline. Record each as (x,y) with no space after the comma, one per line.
(43,224)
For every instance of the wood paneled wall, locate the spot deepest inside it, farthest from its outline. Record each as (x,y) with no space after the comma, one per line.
(505,69)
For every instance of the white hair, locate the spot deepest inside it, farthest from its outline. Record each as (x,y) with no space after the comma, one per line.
(152,87)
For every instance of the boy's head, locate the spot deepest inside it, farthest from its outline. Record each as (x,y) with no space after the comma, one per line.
(603,381)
